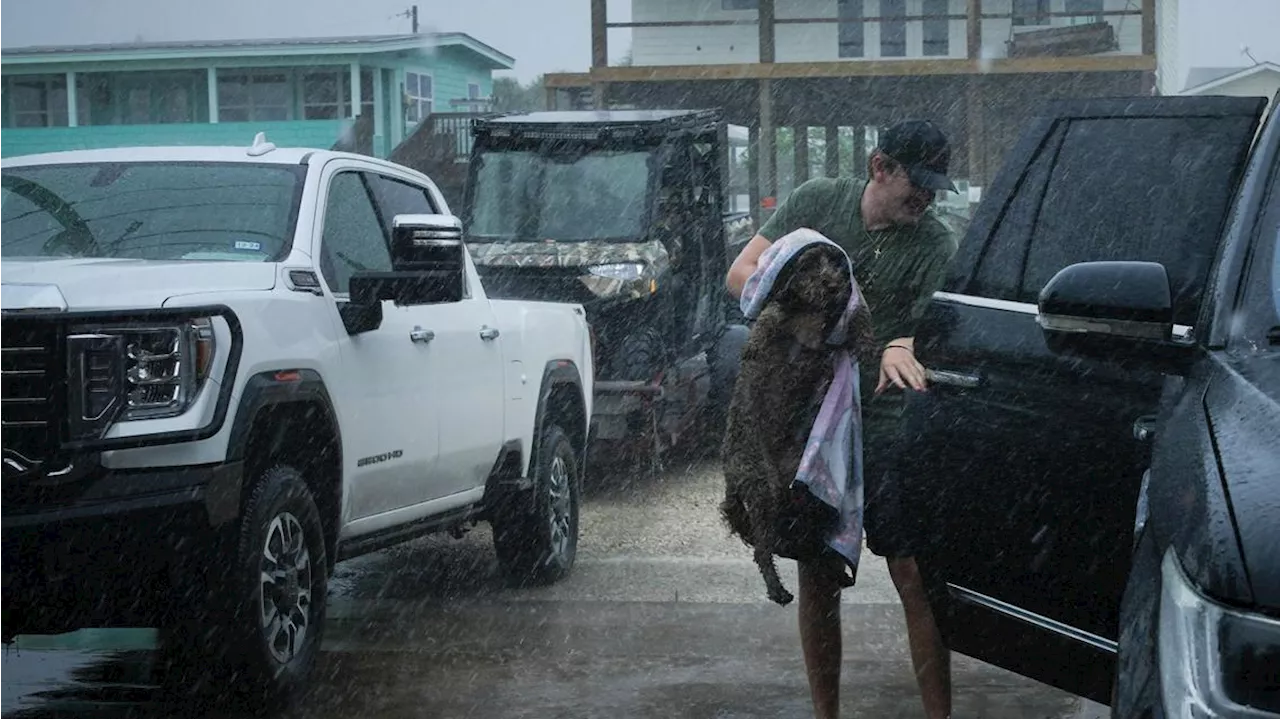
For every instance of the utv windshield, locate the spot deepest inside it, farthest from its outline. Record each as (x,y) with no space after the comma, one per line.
(150,210)
(527,196)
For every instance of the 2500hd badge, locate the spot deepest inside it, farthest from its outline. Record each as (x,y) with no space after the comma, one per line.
(384,457)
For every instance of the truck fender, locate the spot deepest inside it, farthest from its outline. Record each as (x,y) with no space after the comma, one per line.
(559,373)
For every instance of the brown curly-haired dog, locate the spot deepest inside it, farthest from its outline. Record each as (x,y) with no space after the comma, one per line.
(786,367)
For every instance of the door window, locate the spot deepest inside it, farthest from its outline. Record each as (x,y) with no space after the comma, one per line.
(353,238)
(399,198)
(1000,266)
(1153,189)
(1094,209)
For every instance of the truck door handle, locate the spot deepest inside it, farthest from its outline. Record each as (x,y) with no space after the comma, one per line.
(955,379)
(417,334)
(488,333)
(1144,428)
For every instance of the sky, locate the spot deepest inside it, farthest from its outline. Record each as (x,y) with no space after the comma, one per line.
(542,35)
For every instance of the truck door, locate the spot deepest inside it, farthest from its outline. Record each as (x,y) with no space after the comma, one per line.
(388,417)
(1031,461)
(464,360)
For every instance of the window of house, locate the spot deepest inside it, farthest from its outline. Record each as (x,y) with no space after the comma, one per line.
(1085,11)
(36,101)
(1030,12)
(740,4)
(852,27)
(937,32)
(253,96)
(419,95)
(893,28)
(473,91)
(324,96)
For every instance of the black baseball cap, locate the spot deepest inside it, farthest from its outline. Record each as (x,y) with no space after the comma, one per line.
(921,148)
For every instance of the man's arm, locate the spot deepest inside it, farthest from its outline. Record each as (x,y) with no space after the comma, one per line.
(898,364)
(794,212)
(745,264)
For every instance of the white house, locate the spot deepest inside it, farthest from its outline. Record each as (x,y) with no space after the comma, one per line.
(1260,80)
(833,30)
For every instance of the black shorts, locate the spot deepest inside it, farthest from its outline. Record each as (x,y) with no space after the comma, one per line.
(891,515)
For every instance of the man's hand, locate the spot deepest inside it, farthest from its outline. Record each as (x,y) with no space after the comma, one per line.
(898,366)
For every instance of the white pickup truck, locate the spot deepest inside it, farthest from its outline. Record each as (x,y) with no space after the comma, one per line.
(225,369)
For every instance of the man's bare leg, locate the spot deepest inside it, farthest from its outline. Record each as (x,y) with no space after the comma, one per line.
(820,638)
(931,658)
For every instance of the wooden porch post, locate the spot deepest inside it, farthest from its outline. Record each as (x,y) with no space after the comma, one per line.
(1149,44)
(833,151)
(599,33)
(801,145)
(753,172)
(767,42)
(1149,28)
(974,27)
(975,131)
(859,158)
(768,143)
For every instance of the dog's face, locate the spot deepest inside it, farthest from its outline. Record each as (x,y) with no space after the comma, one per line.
(814,294)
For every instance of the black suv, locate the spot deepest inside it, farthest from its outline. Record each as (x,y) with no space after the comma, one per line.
(1100,445)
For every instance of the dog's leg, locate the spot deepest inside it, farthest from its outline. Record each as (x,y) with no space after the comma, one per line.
(772,582)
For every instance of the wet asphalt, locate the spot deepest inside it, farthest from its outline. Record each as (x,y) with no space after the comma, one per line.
(663,616)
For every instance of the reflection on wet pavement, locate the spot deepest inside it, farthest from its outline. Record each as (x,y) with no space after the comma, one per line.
(664,616)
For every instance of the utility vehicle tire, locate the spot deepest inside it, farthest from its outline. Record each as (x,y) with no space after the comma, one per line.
(263,618)
(535,532)
(639,357)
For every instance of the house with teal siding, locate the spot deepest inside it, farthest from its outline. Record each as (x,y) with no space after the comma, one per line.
(365,93)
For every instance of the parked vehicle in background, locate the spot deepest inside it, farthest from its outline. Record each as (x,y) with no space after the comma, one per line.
(226,369)
(623,213)
(1099,446)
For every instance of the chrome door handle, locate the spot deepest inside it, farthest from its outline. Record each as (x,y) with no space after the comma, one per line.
(417,334)
(955,379)
(1144,428)
(489,333)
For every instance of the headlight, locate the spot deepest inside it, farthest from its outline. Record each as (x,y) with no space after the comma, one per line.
(132,373)
(618,278)
(625,271)
(1214,661)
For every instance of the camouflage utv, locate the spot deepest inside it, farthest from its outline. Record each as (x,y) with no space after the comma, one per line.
(621,211)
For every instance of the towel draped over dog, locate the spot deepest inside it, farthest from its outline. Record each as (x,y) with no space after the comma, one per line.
(831,466)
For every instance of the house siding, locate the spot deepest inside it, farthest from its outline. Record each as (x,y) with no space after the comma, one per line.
(818,42)
(451,68)
(302,133)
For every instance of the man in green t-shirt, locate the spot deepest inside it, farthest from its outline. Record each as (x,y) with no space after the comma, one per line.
(900,252)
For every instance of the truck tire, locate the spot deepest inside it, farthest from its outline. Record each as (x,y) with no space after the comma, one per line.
(281,625)
(535,532)
(262,621)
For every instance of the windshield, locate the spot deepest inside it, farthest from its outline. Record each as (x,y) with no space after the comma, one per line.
(527,196)
(151,211)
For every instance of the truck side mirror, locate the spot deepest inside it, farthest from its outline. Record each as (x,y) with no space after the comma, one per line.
(1119,310)
(428,266)
(1128,300)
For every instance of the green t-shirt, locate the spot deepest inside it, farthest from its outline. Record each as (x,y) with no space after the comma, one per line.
(898,269)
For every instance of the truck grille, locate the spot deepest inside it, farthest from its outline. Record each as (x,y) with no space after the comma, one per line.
(30,379)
